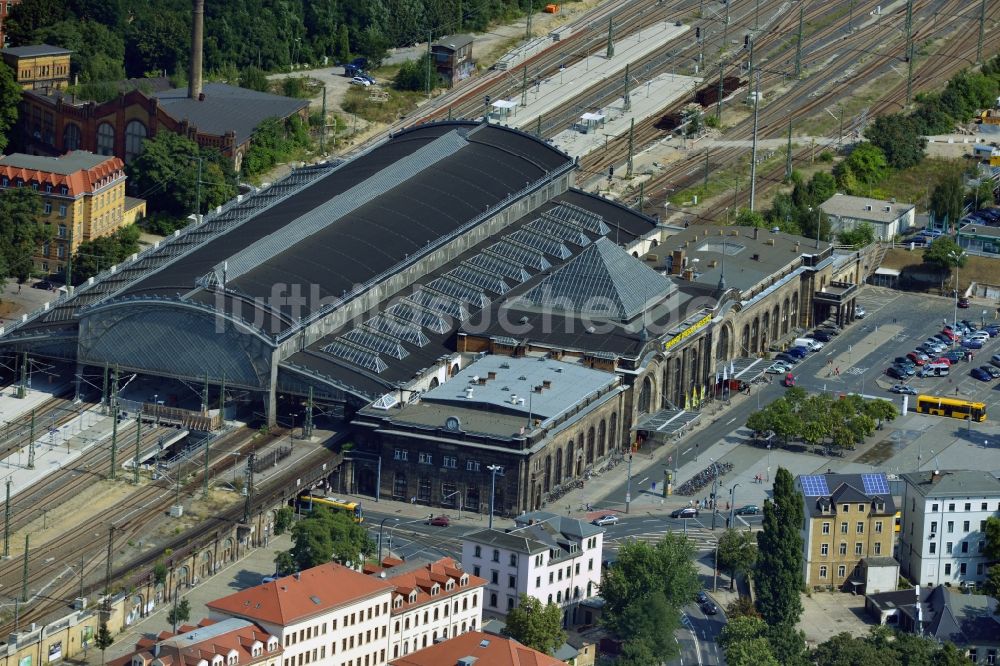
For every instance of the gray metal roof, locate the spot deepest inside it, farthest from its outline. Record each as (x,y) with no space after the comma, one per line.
(512,388)
(979,230)
(227,107)
(604,280)
(954,483)
(68,164)
(35,50)
(571,527)
(863,208)
(516,542)
(454,42)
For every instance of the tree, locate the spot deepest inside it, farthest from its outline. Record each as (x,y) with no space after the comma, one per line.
(179,613)
(899,138)
(741,606)
(21,232)
(103,639)
(778,571)
(31,15)
(646,620)
(159,573)
(948,198)
(744,641)
(10,98)
(867,163)
(283,519)
(750,218)
(284,563)
(254,78)
(859,236)
(821,187)
(326,536)
(992,539)
(103,252)
(413,75)
(537,626)
(944,254)
(880,410)
(737,553)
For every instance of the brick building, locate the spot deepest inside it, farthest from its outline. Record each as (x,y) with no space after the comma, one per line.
(83,198)
(5,7)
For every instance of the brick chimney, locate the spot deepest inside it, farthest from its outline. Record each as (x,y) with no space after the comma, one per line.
(197,40)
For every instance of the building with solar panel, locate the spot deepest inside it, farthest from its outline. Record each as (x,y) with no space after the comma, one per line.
(848,532)
(943,540)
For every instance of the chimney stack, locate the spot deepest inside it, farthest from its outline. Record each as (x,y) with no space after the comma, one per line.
(197,39)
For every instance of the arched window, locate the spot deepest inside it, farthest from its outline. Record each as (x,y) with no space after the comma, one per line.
(569,460)
(602,438)
(590,445)
(547,478)
(71,137)
(559,468)
(135,134)
(105,139)
(722,348)
(613,432)
(645,395)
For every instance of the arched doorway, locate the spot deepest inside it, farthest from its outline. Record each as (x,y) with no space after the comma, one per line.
(205,564)
(570,460)
(784,316)
(613,443)
(745,340)
(645,395)
(602,436)
(366,481)
(765,331)
(775,315)
(558,470)
(434,382)
(590,445)
(754,335)
(722,346)
(794,319)
(547,479)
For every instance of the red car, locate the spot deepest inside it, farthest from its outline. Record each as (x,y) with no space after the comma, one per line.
(918,359)
(440,521)
(951,335)
(944,360)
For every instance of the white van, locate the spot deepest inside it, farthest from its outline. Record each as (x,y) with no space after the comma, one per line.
(935,370)
(808,343)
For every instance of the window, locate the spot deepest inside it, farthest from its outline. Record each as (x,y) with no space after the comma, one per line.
(450,462)
(933,527)
(841,571)
(962,568)
(495,577)
(951,526)
(551,577)
(980,546)
(496,555)
(979,569)
(475,570)
(878,548)
(933,548)
(983,507)
(965,526)
(135,135)
(947,547)
(860,528)
(62,210)
(826,528)
(858,547)
(843,548)
(493,599)
(824,549)
(105,139)
(472,465)
(965,546)
(878,527)
(538,581)
(822,572)
(479,551)
(512,581)
(843,528)
(400,454)
(968,506)
(425,458)
(861,508)
(48,207)
(934,506)
(846,508)
(951,506)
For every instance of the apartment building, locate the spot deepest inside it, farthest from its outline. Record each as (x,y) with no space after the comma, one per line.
(552,558)
(329,614)
(83,197)
(944,518)
(431,602)
(231,641)
(477,648)
(848,518)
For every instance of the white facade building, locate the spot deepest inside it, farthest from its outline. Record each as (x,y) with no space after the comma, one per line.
(549,557)
(888,218)
(329,614)
(942,535)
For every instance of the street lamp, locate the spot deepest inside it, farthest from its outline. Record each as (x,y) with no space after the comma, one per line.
(494,470)
(732,505)
(957,258)
(768,478)
(381,526)
(715,488)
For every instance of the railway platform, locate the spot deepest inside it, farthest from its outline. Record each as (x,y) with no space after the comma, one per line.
(12,407)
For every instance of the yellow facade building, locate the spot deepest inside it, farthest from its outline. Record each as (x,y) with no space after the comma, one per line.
(39,66)
(83,197)
(848,518)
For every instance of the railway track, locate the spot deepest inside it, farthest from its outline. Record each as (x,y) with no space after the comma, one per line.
(53,413)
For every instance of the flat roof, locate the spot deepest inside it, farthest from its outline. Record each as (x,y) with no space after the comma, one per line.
(863,208)
(35,50)
(66,165)
(953,483)
(979,230)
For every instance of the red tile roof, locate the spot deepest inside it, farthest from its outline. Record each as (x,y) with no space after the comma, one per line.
(94,171)
(422,581)
(293,598)
(208,638)
(488,650)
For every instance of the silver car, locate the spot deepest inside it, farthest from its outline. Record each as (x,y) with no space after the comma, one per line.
(609,519)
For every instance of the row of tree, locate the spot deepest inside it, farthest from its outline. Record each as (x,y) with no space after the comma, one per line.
(841,421)
(136,37)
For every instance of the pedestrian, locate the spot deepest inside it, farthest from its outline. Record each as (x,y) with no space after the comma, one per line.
(837,371)
(727,506)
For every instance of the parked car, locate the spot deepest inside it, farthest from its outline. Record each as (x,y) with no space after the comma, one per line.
(994,371)
(902,360)
(684,512)
(917,358)
(980,374)
(943,359)
(788,359)
(860,312)
(708,608)
(798,352)
(951,335)
(982,336)
(440,521)
(777,368)
(903,389)
(43,284)
(994,331)
(972,343)
(360,81)
(822,336)
(895,372)
(955,355)
(701,597)
(995,360)
(607,519)
(963,302)
(747,510)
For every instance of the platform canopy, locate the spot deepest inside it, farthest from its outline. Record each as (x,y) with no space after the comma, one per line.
(504,104)
(593,117)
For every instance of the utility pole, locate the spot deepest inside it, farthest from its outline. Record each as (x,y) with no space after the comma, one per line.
(718,102)
(322,133)
(798,44)
(840,135)
(628,487)
(307,427)
(31,442)
(107,568)
(753,156)
(104,388)
(750,63)
(198,191)
(222,399)
(22,389)
(138,441)
(909,50)
(631,132)
(538,127)
(706,179)
(524,88)
(204,396)
(982,22)
(24,571)
(249,501)
(114,425)
(6,523)
(756,16)
(628,100)
(527,32)
(788,157)
(725,28)
(611,38)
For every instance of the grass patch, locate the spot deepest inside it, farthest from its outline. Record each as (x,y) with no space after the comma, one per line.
(398,104)
(734,177)
(913,185)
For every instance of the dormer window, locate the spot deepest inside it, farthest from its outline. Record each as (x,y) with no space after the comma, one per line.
(138,661)
(413,596)
(435,589)
(450,585)
(464,580)
(397,602)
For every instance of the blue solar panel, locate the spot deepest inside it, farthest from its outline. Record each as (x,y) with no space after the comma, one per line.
(875,484)
(814,485)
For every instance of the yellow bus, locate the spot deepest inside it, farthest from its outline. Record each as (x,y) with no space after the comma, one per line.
(307,502)
(956,409)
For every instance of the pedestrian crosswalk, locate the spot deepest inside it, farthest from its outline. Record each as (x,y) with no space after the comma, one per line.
(702,537)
